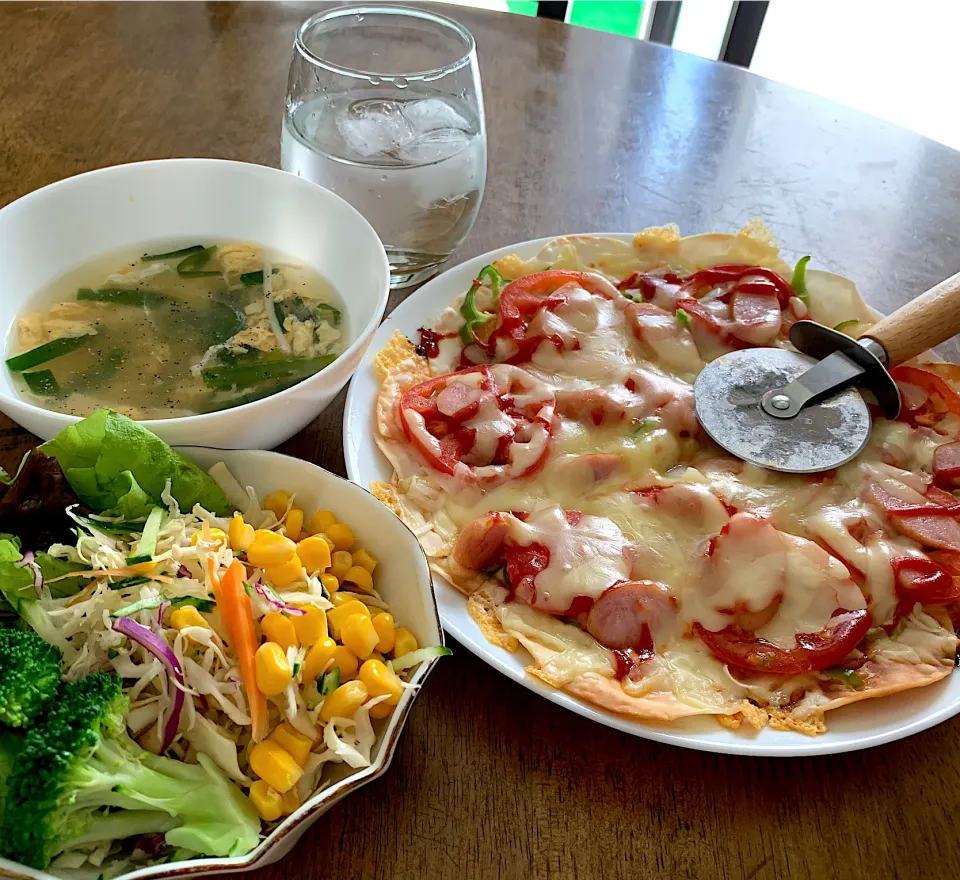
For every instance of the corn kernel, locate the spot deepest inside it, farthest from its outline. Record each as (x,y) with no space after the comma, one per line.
(359,576)
(187,616)
(269,548)
(344,701)
(381,681)
(365,559)
(317,659)
(240,533)
(217,536)
(286,573)
(321,521)
(266,800)
(293,524)
(357,634)
(290,800)
(275,765)
(276,503)
(280,629)
(381,710)
(346,662)
(343,597)
(340,564)
(330,584)
(341,534)
(336,617)
(273,671)
(311,627)
(143,567)
(314,553)
(292,741)
(386,630)
(404,642)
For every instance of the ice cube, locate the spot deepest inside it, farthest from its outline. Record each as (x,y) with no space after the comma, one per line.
(434,146)
(371,128)
(431,114)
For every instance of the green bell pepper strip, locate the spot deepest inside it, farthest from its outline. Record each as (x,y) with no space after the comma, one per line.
(47,352)
(247,375)
(169,255)
(472,316)
(495,281)
(191,267)
(799,280)
(845,676)
(683,319)
(42,383)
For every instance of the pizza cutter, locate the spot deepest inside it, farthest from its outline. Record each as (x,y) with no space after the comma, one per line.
(801,411)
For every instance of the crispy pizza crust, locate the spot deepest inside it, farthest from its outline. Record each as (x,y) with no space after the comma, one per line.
(833,300)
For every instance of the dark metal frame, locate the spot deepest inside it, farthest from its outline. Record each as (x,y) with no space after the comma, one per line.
(553,9)
(663,22)
(743,31)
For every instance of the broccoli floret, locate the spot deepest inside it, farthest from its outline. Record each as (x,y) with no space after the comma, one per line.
(29,676)
(10,745)
(80,779)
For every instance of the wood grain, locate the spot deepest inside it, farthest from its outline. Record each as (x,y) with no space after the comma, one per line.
(588,132)
(921,323)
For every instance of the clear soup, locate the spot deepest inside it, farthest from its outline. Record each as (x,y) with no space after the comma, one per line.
(162,332)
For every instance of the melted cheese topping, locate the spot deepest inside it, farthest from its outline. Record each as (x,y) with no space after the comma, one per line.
(625,451)
(585,557)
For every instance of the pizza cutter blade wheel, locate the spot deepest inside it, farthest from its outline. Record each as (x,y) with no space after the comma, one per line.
(729,399)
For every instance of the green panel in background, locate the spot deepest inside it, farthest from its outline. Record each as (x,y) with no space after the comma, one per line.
(612,16)
(522,7)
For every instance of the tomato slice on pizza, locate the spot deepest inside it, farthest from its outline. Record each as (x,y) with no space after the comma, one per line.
(482,423)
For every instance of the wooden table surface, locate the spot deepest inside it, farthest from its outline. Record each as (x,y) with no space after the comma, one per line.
(587,132)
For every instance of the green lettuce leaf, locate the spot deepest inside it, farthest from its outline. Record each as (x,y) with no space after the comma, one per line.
(119,468)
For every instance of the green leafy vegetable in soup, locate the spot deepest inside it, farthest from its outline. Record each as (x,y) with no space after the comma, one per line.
(141,333)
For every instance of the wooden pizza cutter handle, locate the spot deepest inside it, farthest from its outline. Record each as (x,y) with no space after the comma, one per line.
(926,321)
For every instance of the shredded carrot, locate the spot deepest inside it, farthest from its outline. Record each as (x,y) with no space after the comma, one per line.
(234,606)
(112,572)
(85,593)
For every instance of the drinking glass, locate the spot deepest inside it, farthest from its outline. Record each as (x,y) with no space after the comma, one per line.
(384,107)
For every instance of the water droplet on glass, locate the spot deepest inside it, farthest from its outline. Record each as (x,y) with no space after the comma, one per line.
(359,17)
(375,81)
(401,82)
(383,178)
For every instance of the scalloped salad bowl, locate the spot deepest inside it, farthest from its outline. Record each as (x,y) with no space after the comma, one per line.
(405,583)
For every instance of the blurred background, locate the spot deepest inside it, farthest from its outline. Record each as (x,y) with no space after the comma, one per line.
(895,59)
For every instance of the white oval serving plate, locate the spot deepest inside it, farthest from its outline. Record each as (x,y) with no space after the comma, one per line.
(865,724)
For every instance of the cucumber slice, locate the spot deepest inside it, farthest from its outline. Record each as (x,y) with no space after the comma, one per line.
(148,539)
(412,658)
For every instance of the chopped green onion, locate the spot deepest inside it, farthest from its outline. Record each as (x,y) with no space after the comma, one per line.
(683,319)
(148,539)
(217,405)
(845,676)
(412,658)
(472,316)
(799,280)
(248,589)
(330,682)
(252,279)
(183,252)
(192,266)
(120,296)
(47,352)
(323,309)
(296,669)
(644,426)
(844,324)
(42,383)
(247,375)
